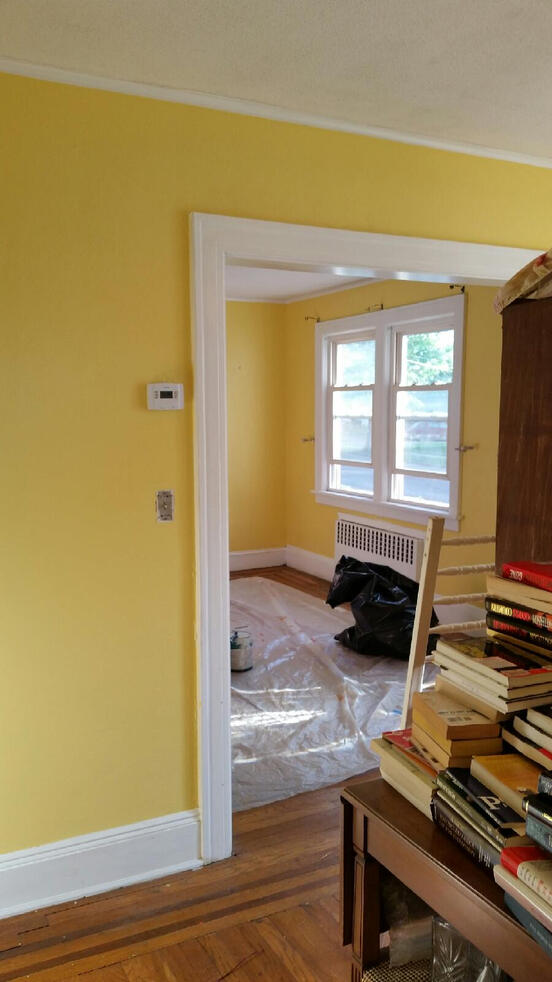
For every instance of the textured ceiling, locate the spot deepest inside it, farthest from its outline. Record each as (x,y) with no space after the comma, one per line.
(473,71)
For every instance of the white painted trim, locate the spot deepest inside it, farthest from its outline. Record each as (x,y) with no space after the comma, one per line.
(312,295)
(213,237)
(257,559)
(310,562)
(389,509)
(90,864)
(245,107)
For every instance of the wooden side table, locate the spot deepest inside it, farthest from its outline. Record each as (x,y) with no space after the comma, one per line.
(382,829)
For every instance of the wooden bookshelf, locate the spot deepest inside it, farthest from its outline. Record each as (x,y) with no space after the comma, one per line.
(381,829)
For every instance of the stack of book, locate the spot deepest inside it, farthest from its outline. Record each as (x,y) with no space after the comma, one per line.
(519,607)
(493,674)
(530,734)
(477,819)
(406,769)
(525,871)
(449,733)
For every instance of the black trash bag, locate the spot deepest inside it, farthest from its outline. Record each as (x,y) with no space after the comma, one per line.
(383,603)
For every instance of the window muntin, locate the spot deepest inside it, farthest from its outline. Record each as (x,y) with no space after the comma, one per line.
(388,419)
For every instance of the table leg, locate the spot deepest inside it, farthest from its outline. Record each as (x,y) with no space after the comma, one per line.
(366,902)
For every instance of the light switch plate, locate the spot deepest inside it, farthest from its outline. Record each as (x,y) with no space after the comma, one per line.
(164,502)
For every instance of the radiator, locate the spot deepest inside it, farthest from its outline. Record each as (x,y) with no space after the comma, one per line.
(402,551)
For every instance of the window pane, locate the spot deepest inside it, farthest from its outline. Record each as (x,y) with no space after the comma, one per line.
(359,480)
(426,359)
(352,425)
(420,490)
(422,403)
(355,363)
(421,445)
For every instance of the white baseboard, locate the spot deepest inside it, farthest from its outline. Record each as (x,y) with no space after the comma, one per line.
(310,562)
(257,559)
(89,864)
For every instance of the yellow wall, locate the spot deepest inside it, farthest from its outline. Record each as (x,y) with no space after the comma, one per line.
(310,525)
(97,702)
(255,335)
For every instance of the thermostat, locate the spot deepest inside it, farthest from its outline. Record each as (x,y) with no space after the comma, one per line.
(165,395)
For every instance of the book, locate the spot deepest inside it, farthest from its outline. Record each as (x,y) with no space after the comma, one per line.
(430,749)
(545,784)
(510,776)
(396,782)
(463,833)
(514,629)
(527,898)
(522,593)
(540,806)
(542,718)
(506,667)
(526,747)
(447,688)
(500,837)
(536,574)
(539,832)
(454,748)
(402,740)
(445,718)
(542,655)
(506,706)
(496,810)
(541,935)
(535,734)
(519,612)
(532,865)
(404,774)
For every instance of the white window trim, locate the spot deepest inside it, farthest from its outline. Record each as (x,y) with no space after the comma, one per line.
(387,324)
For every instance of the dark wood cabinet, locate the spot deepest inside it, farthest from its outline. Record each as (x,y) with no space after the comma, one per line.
(524,506)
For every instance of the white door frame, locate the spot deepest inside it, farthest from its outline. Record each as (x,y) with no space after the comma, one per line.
(213,239)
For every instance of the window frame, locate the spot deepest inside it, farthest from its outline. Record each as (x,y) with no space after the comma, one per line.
(387,325)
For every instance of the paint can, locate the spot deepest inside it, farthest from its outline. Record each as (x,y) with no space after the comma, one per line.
(241,650)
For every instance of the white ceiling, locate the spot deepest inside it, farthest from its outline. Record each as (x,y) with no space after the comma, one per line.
(470,71)
(282,285)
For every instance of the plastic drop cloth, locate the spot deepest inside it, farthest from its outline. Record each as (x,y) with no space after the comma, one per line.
(304,715)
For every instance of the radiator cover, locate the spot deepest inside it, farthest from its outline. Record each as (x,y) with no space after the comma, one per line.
(401,551)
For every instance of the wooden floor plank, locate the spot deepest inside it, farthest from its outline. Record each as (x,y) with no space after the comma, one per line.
(268,913)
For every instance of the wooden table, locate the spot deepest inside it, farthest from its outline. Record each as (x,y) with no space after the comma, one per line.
(382,829)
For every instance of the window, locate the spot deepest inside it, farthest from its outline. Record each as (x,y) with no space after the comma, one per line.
(388,410)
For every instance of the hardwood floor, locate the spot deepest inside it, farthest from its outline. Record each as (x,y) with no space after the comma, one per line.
(289,577)
(269,913)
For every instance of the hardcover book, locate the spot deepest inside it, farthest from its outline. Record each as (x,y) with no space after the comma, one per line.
(545,784)
(496,810)
(528,899)
(537,930)
(539,806)
(532,865)
(500,837)
(536,574)
(511,776)
(539,832)
(518,612)
(523,632)
(429,748)
(463,833)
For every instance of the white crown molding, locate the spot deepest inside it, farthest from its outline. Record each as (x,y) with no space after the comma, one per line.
(90,864)
(244,107)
